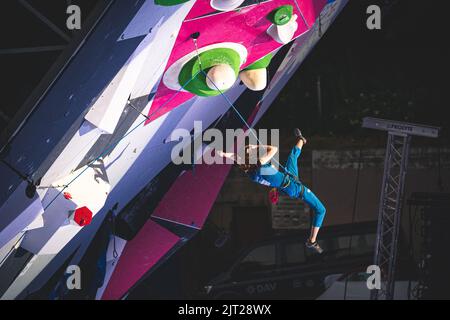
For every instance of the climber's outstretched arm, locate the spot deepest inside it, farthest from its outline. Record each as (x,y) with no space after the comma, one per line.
(229,155)
(270,152)
(267,152)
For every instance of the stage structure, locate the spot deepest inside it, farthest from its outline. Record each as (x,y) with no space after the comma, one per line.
(391,199)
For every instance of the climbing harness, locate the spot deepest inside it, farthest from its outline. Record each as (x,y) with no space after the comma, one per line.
(273,198)
(286,172)
(248,126)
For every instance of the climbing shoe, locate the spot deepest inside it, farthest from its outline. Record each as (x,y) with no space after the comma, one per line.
(298,134)
(314,246)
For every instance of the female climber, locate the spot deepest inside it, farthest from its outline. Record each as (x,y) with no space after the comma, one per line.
(259,169)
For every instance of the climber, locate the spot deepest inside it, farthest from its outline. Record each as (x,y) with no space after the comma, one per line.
(259,169)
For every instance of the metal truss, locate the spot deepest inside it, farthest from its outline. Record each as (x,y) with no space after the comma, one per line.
(391,197)
(396,162)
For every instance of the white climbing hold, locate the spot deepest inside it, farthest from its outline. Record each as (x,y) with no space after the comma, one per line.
(255,80)
(283,33)
(225,5)
(220,77)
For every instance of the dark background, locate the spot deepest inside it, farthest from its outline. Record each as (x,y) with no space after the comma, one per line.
(20,29)
(399,72)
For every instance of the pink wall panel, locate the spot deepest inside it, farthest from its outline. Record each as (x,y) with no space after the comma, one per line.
(192,196)
(247,27)
(139,255)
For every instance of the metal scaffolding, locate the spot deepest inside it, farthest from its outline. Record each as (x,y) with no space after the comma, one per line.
(391,198)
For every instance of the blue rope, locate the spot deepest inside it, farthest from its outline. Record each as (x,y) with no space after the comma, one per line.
(246,123)
(113,145)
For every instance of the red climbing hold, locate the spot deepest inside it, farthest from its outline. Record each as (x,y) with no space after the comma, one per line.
(82,216)
(67,195)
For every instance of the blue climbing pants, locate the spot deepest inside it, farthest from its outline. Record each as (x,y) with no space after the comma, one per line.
(293,188)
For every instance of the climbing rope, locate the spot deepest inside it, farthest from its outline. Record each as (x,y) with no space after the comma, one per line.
(12,248)
(113,233)
(194,39)
(247,125)
(102,154)
(114,144)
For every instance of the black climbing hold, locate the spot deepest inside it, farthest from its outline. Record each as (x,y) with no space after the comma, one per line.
(195,35)
(30,191)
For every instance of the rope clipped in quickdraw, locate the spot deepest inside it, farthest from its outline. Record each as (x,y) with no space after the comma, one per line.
(113,145)
(248,126)
(113,228)
(31,188)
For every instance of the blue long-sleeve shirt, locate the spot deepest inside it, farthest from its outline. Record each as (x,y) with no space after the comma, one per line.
(267,175)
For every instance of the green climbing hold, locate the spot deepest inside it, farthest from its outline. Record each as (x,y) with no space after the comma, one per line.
(208,59)
(281,15)
(261,63)
(169,3)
